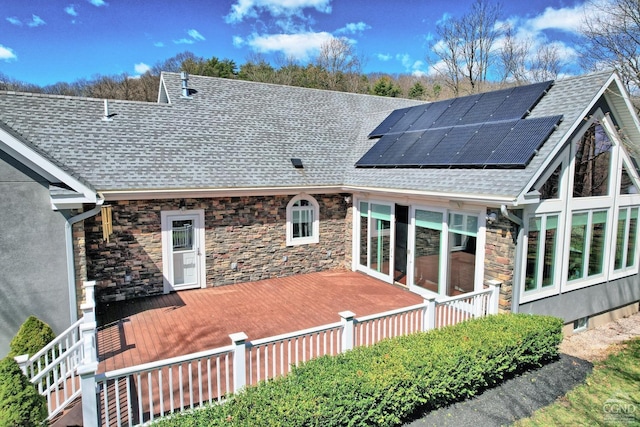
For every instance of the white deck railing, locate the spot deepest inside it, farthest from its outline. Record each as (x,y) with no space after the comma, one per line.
(53,369)
(140,394)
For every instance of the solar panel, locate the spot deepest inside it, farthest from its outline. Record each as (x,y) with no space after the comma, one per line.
(430,139)
(488,103)
(456,111)
(375,153)
(474,131)
(449,146)
(406,121)
(435,110)
(521,100)
(401,152)
(481,146)
(392,119)
(519,146)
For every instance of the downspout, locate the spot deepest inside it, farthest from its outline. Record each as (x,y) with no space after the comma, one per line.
(71,269)
(515,289)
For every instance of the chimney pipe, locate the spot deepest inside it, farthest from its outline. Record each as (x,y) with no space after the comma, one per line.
(185,84)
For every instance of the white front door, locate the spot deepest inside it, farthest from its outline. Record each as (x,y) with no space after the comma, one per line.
(183,249)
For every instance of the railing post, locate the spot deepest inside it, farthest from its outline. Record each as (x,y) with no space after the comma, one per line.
(239,362)
(494,299)
(22,361)
(348,330)
(429,319)
(88,307)
(87,371)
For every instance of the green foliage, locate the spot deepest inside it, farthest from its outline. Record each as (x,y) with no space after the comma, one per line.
(20,403)
(385,87)
(32,336)
(416,91)
(386,383)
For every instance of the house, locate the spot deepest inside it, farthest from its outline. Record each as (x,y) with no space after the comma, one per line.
(224,181)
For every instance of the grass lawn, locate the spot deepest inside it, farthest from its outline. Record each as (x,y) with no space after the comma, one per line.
(610,395)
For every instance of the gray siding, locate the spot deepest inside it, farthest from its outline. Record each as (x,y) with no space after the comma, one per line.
(33,268)
(587,301)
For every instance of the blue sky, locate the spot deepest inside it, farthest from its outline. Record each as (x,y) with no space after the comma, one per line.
(47,41)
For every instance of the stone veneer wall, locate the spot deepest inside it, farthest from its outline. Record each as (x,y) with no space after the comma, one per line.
(80,261)
(247,231)
(500,254)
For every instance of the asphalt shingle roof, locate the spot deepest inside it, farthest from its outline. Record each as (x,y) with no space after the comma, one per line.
(238,134)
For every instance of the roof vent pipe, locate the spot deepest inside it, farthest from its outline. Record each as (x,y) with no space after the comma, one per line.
(185,84)
(107,116)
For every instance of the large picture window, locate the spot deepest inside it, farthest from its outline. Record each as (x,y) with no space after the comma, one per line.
(587,244)
(302,221)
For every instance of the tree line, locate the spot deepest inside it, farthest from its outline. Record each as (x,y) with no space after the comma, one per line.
(472,53)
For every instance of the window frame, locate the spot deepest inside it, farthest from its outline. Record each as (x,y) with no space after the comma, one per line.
(542,291)
(314,208)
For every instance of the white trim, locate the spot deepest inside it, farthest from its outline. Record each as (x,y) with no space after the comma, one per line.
(356,255)
(315,232)
(168,193)
(42,166)
(167,263)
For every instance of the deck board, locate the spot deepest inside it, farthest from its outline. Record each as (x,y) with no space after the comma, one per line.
(159,327)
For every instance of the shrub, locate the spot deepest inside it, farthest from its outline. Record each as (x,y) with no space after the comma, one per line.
(20,403)
(386,383)
(32,336)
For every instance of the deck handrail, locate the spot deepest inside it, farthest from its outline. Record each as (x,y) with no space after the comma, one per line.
(117,373)
(390,313)
(468,295)
(296,334)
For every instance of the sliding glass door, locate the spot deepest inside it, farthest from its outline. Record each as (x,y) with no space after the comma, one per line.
(376,239)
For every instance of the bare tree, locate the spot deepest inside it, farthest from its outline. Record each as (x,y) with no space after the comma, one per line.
(546,63)
(466,45)
(512,58)
(612,33)
(340,60)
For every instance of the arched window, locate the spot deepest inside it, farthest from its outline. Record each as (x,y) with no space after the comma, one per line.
(303,224)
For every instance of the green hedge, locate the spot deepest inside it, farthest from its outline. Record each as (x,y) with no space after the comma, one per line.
(32,336)
(20,403)
(386,383)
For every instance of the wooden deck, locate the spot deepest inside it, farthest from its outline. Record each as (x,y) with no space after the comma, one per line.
(155,328)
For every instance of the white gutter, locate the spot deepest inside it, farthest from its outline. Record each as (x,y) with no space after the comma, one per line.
(71,270)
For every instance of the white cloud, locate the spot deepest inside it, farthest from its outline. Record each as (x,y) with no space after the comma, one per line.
(242,9)
(184,41)
(354,28)
(297,46)
(14,20)
(158,44)
(7,54)
(141,68)
(98,3)
(71,10)
(238,41)
(384,57)
(568,19)
(194,34)
(195,37)
(36,21)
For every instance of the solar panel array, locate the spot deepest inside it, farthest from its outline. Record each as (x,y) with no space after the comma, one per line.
(485,130)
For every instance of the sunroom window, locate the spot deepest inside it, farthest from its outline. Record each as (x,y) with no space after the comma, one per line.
(587,244)
(592,163)
(541,252)
(626,237)
(302,221)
